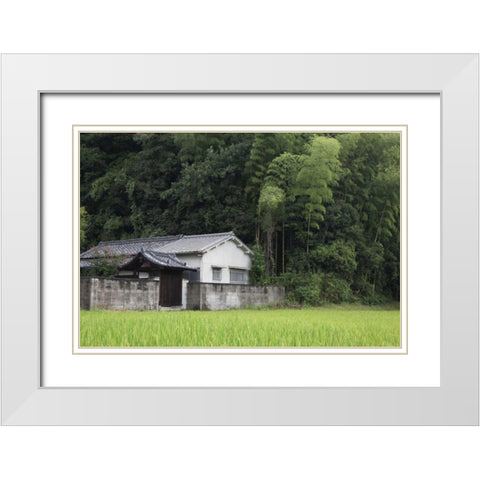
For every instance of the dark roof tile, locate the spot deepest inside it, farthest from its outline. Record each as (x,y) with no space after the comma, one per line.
(162,260)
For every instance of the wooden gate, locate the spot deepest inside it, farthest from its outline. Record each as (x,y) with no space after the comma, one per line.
(170,288)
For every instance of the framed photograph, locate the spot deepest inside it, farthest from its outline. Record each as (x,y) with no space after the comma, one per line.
(240,239)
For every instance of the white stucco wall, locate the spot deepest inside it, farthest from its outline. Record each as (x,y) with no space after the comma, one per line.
(225,256)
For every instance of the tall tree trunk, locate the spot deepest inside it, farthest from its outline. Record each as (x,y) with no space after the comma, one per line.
(308,240)
(275,264)
(269,251)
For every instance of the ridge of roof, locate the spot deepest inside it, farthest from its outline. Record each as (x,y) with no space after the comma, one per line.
(209,235)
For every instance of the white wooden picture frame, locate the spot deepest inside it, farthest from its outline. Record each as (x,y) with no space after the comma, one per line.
(26,77)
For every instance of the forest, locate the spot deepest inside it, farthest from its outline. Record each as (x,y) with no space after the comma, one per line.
(321,211)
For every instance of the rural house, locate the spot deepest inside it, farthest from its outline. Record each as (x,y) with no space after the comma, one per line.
(213,257)
(192,271)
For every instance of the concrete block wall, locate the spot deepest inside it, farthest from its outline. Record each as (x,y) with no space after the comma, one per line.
(118,294)
(136,294)
(85,292)
(218,296)
(193,296)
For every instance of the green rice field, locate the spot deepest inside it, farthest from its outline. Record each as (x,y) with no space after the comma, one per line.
(320,327)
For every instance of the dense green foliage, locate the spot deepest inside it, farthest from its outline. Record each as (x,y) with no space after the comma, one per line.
(241,328)
(322,211)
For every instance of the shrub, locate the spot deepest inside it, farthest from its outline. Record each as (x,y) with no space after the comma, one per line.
(335,290)
(367,294)
(315,289)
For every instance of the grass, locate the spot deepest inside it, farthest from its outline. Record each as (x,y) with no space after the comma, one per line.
(321,327)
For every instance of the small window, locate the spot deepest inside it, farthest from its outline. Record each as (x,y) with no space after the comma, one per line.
(216,274)
(238,276)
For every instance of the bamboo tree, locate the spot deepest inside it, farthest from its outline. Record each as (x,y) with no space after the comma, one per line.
(314,181)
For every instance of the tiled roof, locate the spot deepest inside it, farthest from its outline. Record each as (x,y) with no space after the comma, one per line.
(115,248)
(174,244)
(156,259)
(196,243)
